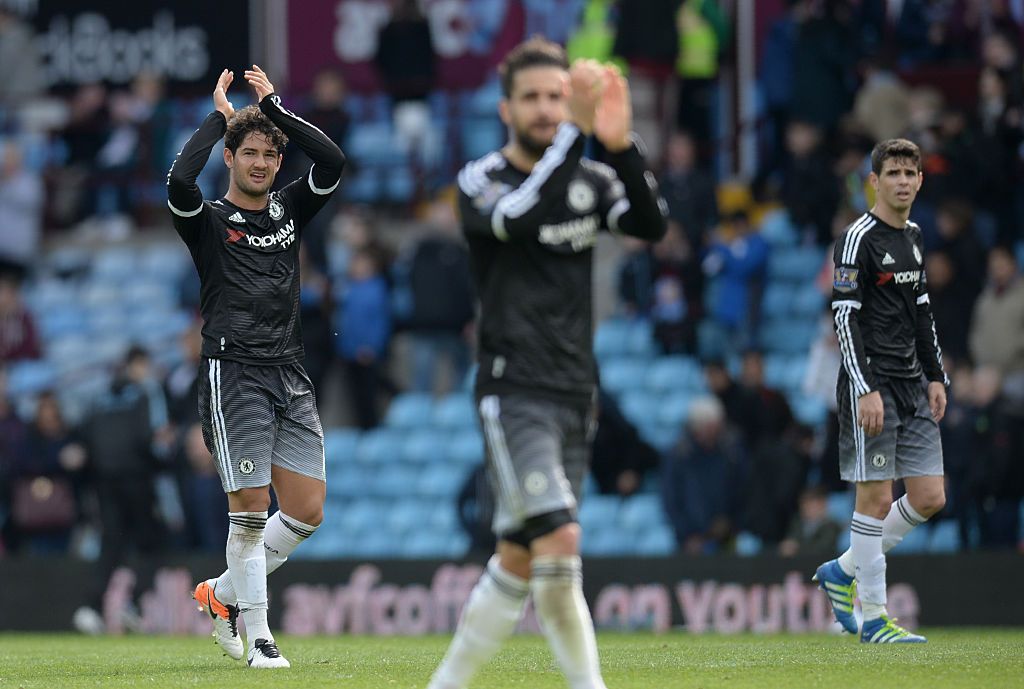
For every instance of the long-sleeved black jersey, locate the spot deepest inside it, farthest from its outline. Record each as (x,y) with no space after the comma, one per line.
(880,302)
(531,237)
(248,261)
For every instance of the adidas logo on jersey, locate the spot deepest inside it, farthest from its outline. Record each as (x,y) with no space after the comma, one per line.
(237,217)
(886,261)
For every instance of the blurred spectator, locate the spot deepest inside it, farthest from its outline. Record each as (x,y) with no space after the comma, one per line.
(434,301)
(83,136)
(779,452)
(205,503)
(738,401)
(954,220)
(315,314)
(997,326)
(703,36)
(996,472)
(809,188)
(46,484)
(664,283)
(812,530)
(23,67)
(406,62)
(881,108)
(118,436)
(688,190)
(19,338)
(702,480)
(952,300)
(1000,120)
(182,383)
(13,451)
(363,321)
(819,382)
(325,108)
(777,74)
(823,66)
(621,458)
(735,264)
(475,506)
(21,207)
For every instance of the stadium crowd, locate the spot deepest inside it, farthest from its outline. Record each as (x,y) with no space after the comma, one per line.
(735,293)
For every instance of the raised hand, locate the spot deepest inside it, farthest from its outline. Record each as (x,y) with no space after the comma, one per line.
(220,94)
(258,79)
(586,82)
(613,121)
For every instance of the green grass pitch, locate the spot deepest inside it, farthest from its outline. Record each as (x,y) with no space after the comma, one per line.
(984,658)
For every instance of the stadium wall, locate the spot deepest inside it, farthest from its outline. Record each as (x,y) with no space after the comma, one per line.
(411,597)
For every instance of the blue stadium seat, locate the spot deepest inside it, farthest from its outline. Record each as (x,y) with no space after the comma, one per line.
(348,480)
(622,373)
(788,336)
(641,511)
(914,542)
(410,410)
(808,302)
(661,437)
(380,446)
(674,374)
(395,480)
(441,515)
(606,541)
(795,264)
(480,135)
(466,448)
(674,409)
(360,514)
(599,511)
(455,411)
(639,406)
(115,264)
(747,544)
(840,507)
(810,411)
(611,338)
(441,480)
(30,377)
(407,515)
(399,184)
(425,446)
(640,338)
(340,445)
(778,230)
(944,537)
(777,300)
(366,186)
(655,541)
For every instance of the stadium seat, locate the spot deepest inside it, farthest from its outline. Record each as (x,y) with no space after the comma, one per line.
(380,446)
(840,507)
(747,544)
(674,409)
(622,373)
(455,411)
(944,537)
(466,448)
(674,374)
(639,512)
(440,480)
(639,406)
(611,338)
(340,445)
(30,377)
(661,437)
(599,511)
(778,230)
(810,411)
(424,445)
(409,410)
(794,264)
(655,541)
(777,300)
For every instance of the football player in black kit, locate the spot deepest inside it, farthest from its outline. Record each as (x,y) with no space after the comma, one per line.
(257,405)
(531,213)
(891,391)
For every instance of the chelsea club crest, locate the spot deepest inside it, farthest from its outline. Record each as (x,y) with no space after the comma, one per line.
(276,210)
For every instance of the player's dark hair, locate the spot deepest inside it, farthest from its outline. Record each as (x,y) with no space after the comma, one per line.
(250,120)
(894,149)
(534,52)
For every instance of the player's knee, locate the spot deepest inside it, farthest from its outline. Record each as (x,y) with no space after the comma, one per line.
(564,540)
(514,558)
(931,503)
(249,500)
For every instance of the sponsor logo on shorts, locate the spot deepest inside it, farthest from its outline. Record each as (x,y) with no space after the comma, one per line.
(878,460)
(246,466)
(536,483)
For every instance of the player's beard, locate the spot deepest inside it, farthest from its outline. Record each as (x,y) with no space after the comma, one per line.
(532,145)
(250,188)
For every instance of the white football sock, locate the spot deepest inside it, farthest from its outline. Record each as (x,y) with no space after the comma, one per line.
(557,587)
(866,544)
(248,567)
(902,518)
(281,537)
(488,618)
